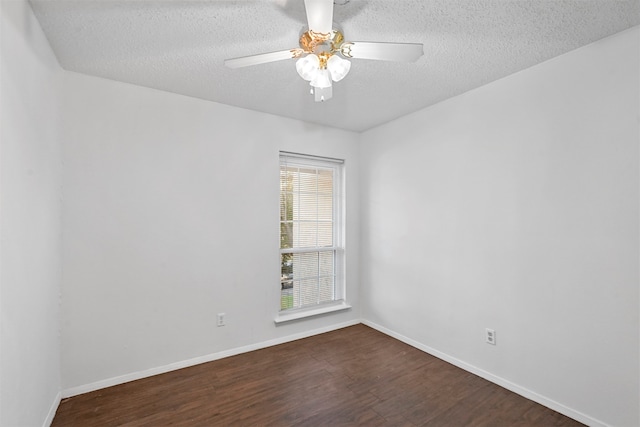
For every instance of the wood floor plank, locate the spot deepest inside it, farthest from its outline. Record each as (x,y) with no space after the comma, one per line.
(353,376)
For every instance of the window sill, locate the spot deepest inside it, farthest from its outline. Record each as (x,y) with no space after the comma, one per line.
(301,314)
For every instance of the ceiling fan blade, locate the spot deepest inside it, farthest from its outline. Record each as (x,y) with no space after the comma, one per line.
(319,15)
(406,52)
(263,58)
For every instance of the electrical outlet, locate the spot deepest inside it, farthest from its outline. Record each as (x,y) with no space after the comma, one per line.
(221,319)
(490,336)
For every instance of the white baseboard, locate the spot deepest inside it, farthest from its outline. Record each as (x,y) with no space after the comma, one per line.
(74,391)
(52,411)
(531,395)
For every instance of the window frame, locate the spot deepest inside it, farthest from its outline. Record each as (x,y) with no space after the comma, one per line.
(287,159)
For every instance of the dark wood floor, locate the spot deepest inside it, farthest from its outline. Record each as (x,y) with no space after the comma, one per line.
(353,376)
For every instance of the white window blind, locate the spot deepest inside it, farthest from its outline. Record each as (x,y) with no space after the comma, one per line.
(311,249)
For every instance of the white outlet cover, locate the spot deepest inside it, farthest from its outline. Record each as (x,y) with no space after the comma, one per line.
(490,336)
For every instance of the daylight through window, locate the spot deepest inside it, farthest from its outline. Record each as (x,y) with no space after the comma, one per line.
(311,253)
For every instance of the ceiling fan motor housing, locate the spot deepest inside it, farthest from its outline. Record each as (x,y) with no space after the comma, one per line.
(321,44)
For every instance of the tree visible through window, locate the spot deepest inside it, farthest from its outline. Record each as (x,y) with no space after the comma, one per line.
(310,231)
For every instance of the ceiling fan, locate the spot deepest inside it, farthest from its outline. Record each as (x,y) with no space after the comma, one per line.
(322,55)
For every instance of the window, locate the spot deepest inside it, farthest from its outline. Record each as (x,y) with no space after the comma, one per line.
(311,229)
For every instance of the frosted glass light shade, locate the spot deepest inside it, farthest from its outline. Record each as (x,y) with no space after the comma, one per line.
(322,79)
(338,67)
(308,66)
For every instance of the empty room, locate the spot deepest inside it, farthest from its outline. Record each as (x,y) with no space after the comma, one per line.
(319,212)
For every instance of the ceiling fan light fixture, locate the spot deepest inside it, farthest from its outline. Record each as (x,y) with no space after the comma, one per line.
(320,59)
(322,79)
(308,67)
(338,67)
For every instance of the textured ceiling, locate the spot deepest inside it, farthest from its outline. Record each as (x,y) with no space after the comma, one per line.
(180,45)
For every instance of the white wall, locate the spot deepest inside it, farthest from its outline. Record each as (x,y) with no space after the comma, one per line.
(171,216)
(30,220)
(515,207)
